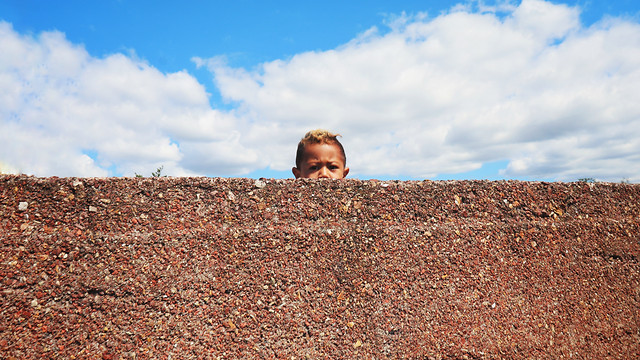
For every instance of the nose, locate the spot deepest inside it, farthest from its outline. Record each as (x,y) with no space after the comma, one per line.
(324,173)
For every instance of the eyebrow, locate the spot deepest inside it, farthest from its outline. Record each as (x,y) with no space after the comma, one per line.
(319,161)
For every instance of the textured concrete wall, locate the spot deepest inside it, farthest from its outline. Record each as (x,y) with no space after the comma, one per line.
(240,268)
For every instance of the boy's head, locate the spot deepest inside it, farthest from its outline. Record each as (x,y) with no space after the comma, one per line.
(320,155)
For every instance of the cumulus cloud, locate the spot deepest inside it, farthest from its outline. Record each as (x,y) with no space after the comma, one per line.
(64,112)
(528,85)
(447,94)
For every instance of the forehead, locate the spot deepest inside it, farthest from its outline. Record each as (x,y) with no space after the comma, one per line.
(323,151)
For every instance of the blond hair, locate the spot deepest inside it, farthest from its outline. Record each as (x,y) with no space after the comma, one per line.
(318,136)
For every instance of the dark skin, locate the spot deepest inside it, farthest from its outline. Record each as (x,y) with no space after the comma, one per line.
(321,161)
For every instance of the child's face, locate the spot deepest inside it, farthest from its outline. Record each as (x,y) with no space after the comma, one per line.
(321,161)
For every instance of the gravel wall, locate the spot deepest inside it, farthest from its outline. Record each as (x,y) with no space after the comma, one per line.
(189,268)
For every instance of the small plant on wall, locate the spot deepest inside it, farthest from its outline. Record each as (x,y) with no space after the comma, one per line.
(157,173)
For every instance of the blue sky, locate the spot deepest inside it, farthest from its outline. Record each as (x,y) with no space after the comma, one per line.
(438,89)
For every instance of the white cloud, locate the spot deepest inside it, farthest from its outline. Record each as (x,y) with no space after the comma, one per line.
(447,94)
(528,84)
(64,112)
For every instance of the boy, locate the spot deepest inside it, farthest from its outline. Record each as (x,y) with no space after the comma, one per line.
(320,155)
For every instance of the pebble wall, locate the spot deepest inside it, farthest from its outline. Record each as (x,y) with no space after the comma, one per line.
(191,268)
